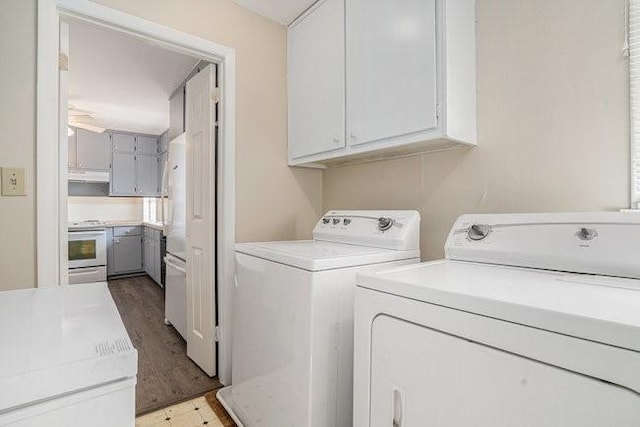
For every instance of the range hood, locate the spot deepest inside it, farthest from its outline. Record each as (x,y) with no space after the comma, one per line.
(87,176)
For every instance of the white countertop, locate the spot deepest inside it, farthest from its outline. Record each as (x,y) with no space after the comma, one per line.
(124,223)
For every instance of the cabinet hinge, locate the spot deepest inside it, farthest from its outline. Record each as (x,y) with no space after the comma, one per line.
(63,61)
(215,95)
(216,333)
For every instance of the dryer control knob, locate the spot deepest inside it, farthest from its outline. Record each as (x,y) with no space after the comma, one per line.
(384,223)
(478,231)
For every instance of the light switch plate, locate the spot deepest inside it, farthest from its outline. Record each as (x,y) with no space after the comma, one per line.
(13,182)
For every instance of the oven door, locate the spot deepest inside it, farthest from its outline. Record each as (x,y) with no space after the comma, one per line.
(87,248)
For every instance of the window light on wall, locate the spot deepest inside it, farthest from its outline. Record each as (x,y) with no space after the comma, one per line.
(633,51)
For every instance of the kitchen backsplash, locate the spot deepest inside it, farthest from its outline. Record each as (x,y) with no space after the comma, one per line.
(105,208)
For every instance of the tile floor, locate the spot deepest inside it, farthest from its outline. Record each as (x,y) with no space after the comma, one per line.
(192,413)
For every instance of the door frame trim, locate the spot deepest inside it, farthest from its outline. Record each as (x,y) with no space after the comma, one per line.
(51,154)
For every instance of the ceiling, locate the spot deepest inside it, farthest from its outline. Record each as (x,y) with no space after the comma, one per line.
(126,82)
(282,11)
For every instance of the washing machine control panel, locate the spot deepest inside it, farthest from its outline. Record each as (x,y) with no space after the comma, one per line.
(385,229)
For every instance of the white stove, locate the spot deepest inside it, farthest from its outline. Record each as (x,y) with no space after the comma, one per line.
(87,251)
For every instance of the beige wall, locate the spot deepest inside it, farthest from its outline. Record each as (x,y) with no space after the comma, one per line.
(552,125)
(273,201)
(17,141)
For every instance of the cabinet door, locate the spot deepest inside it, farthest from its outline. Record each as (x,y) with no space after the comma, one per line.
(93,150)
(163,142)
(157,256)
(147,144)
(123,142)
(148,257)
(72,151)
(127,254)
(391,68)
(147,175)
(110,264)
(176,113)
(123,174)
(162,164)
(316,81)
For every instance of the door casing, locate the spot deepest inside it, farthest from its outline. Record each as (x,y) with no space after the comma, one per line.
(51,145)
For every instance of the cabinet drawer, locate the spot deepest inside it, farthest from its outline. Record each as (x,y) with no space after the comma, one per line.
(127,231)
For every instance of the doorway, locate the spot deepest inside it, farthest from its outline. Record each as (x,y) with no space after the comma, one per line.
(52,157)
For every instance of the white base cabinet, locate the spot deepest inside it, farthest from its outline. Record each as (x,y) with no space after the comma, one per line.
(380,79)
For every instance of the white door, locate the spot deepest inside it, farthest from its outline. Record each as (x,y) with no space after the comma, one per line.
(316,81)
(391,68)
(200,223)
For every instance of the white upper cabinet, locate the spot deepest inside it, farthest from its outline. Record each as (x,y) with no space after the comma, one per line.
(316,81)
(404,71)
(391,68)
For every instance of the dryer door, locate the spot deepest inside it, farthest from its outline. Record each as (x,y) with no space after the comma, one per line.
(423,377)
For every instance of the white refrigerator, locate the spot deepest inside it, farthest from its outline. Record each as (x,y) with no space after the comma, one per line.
(174,188)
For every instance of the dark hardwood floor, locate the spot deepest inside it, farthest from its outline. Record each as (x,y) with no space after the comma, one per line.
(165,374)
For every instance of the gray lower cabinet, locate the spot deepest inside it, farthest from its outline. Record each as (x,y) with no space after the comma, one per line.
(123,174)
(153,254)
(126,250)
(110,265)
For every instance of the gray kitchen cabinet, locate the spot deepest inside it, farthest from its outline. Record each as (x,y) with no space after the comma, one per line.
(110,265)
(157,256)
(146,144)
(72,160)
(93,150)
(147,175)
(134,169)
(162,164)
(127,254)
(153,254)
(149,264)
(163,142)
(176,112)
(123,174)
(124,142)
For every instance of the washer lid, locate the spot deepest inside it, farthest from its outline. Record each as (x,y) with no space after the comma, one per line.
(313,255)
(59,340)
(598,308)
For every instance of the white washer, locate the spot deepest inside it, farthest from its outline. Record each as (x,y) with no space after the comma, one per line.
(293,317)
(65,359)
(532,320)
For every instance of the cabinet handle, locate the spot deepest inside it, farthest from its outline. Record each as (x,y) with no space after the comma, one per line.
(116,240)
(398,408)
(336,140)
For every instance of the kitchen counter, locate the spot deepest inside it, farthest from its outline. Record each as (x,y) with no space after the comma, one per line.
(123,223)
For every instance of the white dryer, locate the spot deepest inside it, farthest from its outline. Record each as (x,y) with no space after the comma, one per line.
(292,362)
(532,320)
